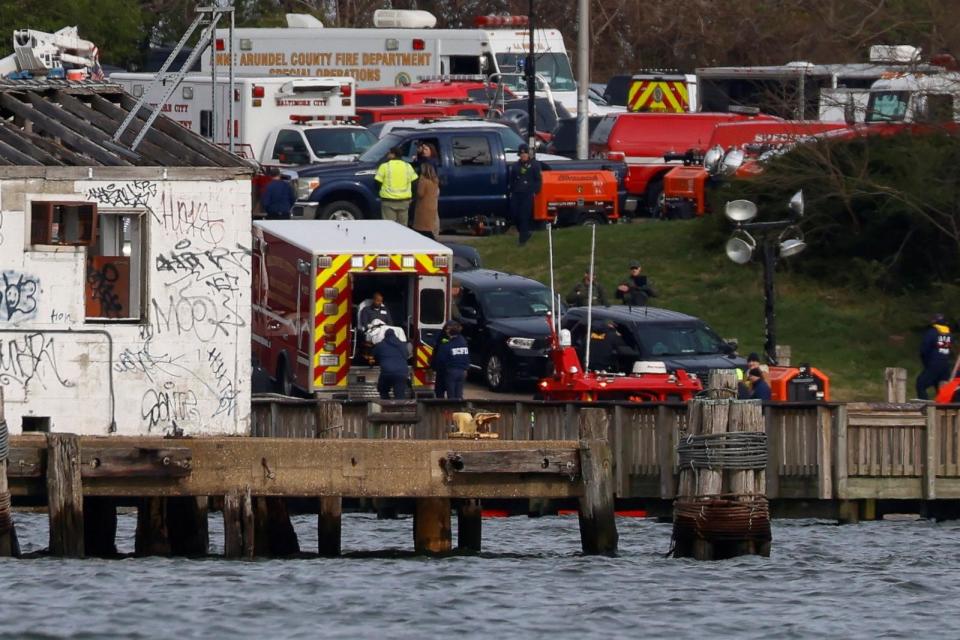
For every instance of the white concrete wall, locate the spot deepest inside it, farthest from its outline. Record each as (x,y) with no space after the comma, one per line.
(187,361)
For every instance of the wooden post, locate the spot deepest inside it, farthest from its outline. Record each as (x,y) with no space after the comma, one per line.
(774,451)
(469,526)
(248,519)
(714,417)
(840,454)
(232,526)
(666,451)
(99,526)
(329,525)
(8,533)
(931,458)
(431,526)
(723,383)
(172,526)
(152,537)
(275,535)
(895,384)
(598,524)
(824,453)
(65,495)
(783,353)
(746,416)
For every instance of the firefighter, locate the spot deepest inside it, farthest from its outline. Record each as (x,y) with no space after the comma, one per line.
(636,289)
(524,183)
(396,177)
(453,358)
(935,356)
(606,345)
(578,295)
(278,197)
(391,356)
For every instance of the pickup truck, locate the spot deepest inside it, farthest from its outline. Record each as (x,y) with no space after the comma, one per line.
(474,163)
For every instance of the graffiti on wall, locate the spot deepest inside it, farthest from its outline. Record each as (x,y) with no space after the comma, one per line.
(30,358)
(20,293)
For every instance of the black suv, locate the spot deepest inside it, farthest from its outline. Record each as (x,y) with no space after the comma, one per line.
(504,321)
(564,140)
(676,339)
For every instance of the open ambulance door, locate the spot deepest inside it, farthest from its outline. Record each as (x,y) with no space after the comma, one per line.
(432,311)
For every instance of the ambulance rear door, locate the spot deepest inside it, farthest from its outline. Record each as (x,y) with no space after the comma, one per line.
(431,307)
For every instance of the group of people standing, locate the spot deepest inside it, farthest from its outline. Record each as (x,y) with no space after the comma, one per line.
(633,291)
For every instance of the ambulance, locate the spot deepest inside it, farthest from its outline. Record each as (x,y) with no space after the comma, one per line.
(311,282)
(662,93)
(401,48)
(261,105)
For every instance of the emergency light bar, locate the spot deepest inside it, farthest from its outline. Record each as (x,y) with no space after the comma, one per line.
(487,21)
(463,77)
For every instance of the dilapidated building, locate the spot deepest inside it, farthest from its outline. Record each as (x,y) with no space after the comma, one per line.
(124,276)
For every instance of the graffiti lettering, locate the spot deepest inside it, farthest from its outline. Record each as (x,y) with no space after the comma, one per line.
(29,358)
(190,219)
(187,264)
(227,394)
(189,314)
(19,296)
(166,404)
(101,283)
(131,194)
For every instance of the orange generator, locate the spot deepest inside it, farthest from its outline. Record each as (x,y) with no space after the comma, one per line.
(577,197)
(798,384)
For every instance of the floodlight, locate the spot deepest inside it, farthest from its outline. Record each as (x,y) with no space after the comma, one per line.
(712,159)
(740,247)
(741,210)
(732,161)
(796,204)
(791,242)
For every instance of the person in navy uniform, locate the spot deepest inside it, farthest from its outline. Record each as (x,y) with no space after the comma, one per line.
(453,359)
(277,198)
(439,372)
(391,355)
(376,311)
(524,183)
(935,356)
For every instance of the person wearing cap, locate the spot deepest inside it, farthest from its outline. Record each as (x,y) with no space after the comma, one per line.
(934,355)
(524,183)
(759,388)
(579,294)
(743,387)
(636,289)
(396,177)
(452,358)
(606,348)
(278,197)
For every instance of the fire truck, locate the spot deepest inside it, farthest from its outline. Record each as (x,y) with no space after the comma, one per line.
(311,281)
(401,48)
(260,106)
(662,92)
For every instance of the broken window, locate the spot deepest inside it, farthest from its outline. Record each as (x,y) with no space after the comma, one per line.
(114,283)
(62,223)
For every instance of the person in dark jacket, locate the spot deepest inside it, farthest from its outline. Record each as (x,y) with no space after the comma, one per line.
(606,346)
(453,358)
(391,355)
(935,356)
(524,183)
(578,295)
(277,199)
(439,373)
(759,388)
(636,289)
(376,311)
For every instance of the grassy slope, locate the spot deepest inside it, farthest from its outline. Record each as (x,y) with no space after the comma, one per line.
(851,335)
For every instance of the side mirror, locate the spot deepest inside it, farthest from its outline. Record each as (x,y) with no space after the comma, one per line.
(470,313)
(729,348)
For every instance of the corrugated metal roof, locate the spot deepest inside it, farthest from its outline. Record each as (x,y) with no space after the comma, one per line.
(356,236)
(49,122)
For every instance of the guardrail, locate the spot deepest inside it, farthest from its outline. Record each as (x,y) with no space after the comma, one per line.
(821,451)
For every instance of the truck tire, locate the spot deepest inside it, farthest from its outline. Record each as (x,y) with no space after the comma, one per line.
(653,198)
(283,382)
(341,210)
(590,219)
(495,373)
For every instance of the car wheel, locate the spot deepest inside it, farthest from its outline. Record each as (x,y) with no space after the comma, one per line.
(283,382)
(654,198)
(495,372)
(591,219)
(341,210)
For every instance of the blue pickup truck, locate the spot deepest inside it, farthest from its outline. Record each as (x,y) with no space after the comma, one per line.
(474,162)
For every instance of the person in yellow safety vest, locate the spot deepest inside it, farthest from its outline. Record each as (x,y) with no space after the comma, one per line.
(396,177)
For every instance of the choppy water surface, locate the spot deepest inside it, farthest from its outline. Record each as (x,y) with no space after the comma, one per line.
(882,579)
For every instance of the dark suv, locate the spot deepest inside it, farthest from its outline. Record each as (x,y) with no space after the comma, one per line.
(676,339)
(504,321)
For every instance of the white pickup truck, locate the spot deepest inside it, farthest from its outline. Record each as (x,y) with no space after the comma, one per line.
(314,141)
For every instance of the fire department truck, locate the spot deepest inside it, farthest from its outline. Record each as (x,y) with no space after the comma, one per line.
(311,281)
(662,92)
(260,106)
(401,48)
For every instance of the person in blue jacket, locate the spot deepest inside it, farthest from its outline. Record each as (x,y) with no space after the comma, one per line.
(759,389)
(278,198)
(935,356)
(453,359)
(391,355)
(524,182)
(439,372)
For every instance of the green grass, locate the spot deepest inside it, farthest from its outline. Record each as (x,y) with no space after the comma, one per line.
(849,334)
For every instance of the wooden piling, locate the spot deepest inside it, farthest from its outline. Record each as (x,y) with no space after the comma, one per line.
(275,536)
(598,525)
(431,526)
(8,534)
(232,525)
(714,415)
(895,384)
(99,526)
(329,524)
(65,495)
(469,526)
(248,520)
(172,526)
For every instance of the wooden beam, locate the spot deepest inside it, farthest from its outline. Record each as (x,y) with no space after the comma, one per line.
(64,495)
(116,116)
(54,128)
(132,462)
(8,152)
(546,461)
(311,467)
(17,138)
(153,154)
(64,155)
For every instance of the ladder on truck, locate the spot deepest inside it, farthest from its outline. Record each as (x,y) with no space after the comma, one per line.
(210,17)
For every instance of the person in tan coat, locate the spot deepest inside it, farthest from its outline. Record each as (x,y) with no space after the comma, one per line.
(426,215)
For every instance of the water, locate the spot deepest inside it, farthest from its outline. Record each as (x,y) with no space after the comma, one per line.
(872,580)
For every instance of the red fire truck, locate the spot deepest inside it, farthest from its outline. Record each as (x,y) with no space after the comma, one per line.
(449,88)
(311,281)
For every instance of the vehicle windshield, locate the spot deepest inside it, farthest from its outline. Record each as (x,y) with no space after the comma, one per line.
(887,106)
(693,339)
(553,67)
(516,303)
(511,141)
(378,151)
(327,143)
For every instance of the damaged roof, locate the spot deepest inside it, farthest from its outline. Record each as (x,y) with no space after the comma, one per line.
(69,123)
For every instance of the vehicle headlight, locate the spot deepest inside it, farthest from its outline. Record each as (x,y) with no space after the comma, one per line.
(520,343)
(305,187)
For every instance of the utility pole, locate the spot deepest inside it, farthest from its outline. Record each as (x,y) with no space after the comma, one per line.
(583,80)
(531,68)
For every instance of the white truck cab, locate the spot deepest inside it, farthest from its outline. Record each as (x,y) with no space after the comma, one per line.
(307,141)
